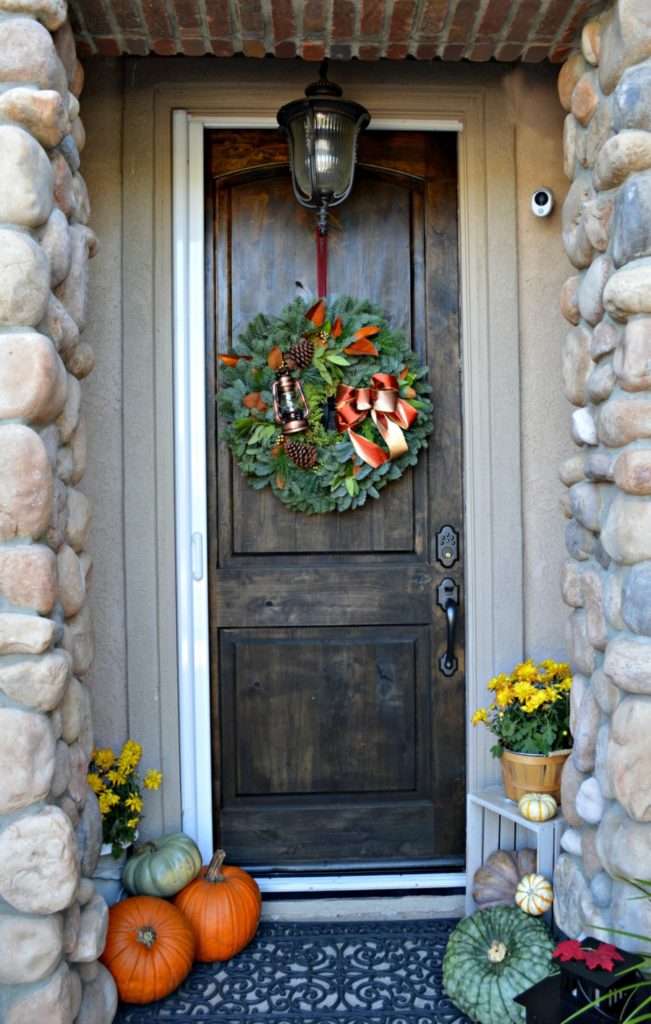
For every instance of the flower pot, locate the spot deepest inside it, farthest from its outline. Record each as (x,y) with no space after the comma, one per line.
(533,773)
(107,877)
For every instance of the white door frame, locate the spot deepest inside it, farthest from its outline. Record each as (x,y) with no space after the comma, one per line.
(488,509)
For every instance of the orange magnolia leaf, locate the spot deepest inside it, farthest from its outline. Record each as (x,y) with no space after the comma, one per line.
(408,393)
(403,373)
(231,360)
(361,347)
(336,328)
(367,332)
(275,357)
(252,400)
(316,313)
(280,483)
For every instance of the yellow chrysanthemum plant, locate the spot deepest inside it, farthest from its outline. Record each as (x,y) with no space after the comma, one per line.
(530,710)
(116,781)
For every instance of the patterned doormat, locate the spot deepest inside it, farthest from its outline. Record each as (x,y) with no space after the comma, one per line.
(327,973)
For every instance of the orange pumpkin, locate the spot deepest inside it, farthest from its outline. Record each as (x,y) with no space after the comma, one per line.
(149,948)
(223,906)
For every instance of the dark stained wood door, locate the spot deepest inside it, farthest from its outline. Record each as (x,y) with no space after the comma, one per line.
(338,742)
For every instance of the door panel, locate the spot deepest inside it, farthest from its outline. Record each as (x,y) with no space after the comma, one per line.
(337,739)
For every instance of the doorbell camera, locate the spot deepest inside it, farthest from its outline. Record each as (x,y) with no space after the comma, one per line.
(542,202)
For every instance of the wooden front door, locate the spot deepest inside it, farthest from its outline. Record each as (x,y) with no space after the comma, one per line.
(338,740)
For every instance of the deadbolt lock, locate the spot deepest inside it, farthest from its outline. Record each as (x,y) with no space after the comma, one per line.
(447,544)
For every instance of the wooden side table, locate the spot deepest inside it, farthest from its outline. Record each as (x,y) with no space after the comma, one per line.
(495,823)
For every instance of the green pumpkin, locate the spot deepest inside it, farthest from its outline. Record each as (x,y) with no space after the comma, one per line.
(162,867)
(492,956)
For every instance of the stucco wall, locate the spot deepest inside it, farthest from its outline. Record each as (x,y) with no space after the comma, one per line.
(527,96)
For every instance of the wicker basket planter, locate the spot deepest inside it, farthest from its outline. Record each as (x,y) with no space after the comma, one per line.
(533,773)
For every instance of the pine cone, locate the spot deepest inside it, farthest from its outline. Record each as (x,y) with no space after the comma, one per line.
(299,355)
(304,455)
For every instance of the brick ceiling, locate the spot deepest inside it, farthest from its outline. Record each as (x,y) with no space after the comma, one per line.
(451,30)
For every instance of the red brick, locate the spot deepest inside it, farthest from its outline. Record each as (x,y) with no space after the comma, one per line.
(426,51)
(222,47)
(218,19)
(369,51)
(525,18)
(481,52)
(313,17)
(579,15)
(453,51)
(402,21)
(193,46)
(432,19)
(286,50)
(397,51)
(371,22)
(313,51)
(508,51)
(343,21)
(95,18)
(188,16)
(156,19)
(283,22)
(250,18)
(341,51)
(164,47)
(85,49)
(253,48)
(128,15)
(461,29)
(494,17)
(136,47)
(552,19)
(534,54)
(107,46)
(560,53)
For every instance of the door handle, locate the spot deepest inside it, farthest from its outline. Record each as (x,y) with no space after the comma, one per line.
(448,600)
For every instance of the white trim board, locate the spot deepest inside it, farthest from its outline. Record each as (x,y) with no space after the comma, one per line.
(489,333)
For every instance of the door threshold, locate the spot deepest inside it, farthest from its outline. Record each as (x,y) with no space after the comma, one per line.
(342,884)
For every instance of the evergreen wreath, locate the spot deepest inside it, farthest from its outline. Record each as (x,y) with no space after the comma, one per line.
(320,470)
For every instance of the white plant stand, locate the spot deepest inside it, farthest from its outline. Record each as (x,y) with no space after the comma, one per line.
(495,823)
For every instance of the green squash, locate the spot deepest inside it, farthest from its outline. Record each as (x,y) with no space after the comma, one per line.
(162,867)
(492,956)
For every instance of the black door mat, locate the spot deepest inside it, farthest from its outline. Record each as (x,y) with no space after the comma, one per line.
(328,973)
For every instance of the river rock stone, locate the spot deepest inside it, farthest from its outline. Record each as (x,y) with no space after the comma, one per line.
(569,300)
(631,100)
(622,421)
(636,599)
(62,770)
(79,521)
(591,291)
(42,113)
(64,464)
(578,541)
(72,585)
(64,44)
(591,41)
(92,931)
(28,576)
(571,469)
(571,841)
(628,664)
(76,714)
(600,384)
(632,915)
(576,364)
(569,885)
(25,483)
(623,844)
(620,156)
(593,602)
(578,247)
(30,948)
(590,803)
(629,756)
(605,338)
(585,503)
(597,217)
(69,418)
(591,861)
(81,361)
(63,187)
(601,888)
(583,428)
(599,467)
(99,999)
(57,245)
(61,328)
(598,132)
(39,872)
(577,693)
(53,1002)
(625,40)
(89,834)
(78,640)
(628,291)
(571,781)
(632,471)
(26,198)
(27,55)
(571,584)
(79,452)
(24,634)
(585,736)
(71,924)
(585,99)
(569,146)
(632,361)
(605,692)
(570,73)
(27,750)
(631,230)
(38,682)
(24,279)
(73,291)
(33,383)
(626,534)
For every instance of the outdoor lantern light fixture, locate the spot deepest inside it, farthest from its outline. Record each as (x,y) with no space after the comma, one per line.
(322,131)
(291,410)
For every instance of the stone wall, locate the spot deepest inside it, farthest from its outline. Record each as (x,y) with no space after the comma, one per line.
(606,791)
(52,923)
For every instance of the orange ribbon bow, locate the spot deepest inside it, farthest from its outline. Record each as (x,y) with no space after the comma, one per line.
(390,413)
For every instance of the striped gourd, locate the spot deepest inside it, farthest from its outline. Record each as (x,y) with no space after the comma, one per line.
(534,894)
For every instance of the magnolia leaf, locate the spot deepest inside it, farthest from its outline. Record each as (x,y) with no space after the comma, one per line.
(367,332)
(338,360)
(362,347)
(316,313)
(274,357)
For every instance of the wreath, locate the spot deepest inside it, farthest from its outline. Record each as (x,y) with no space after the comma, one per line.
(368,412)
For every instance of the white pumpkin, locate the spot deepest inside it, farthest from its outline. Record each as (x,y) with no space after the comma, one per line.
(537,806)
(534,894)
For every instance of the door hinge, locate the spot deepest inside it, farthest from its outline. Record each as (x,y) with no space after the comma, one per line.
(197,555)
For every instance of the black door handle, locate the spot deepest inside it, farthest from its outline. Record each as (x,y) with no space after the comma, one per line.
(448,600)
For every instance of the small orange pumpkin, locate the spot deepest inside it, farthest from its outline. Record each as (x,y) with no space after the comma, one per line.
(223,906)
(149,948)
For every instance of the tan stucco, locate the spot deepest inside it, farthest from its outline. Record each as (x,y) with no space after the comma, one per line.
(524,131)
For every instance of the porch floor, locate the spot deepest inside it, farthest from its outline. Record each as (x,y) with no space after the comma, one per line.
(330,972)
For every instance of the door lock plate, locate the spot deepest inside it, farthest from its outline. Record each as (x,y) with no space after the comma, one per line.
(447,590)
(447,546)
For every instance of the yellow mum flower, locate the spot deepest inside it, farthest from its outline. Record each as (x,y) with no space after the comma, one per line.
(104,759)
(133,822)
(499,682)
(107,800)
(95,782)
(527,671)
(153,778)
(535,701)
(480,716)
(116,777)
(504,696)
(134,802)
(523,690)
